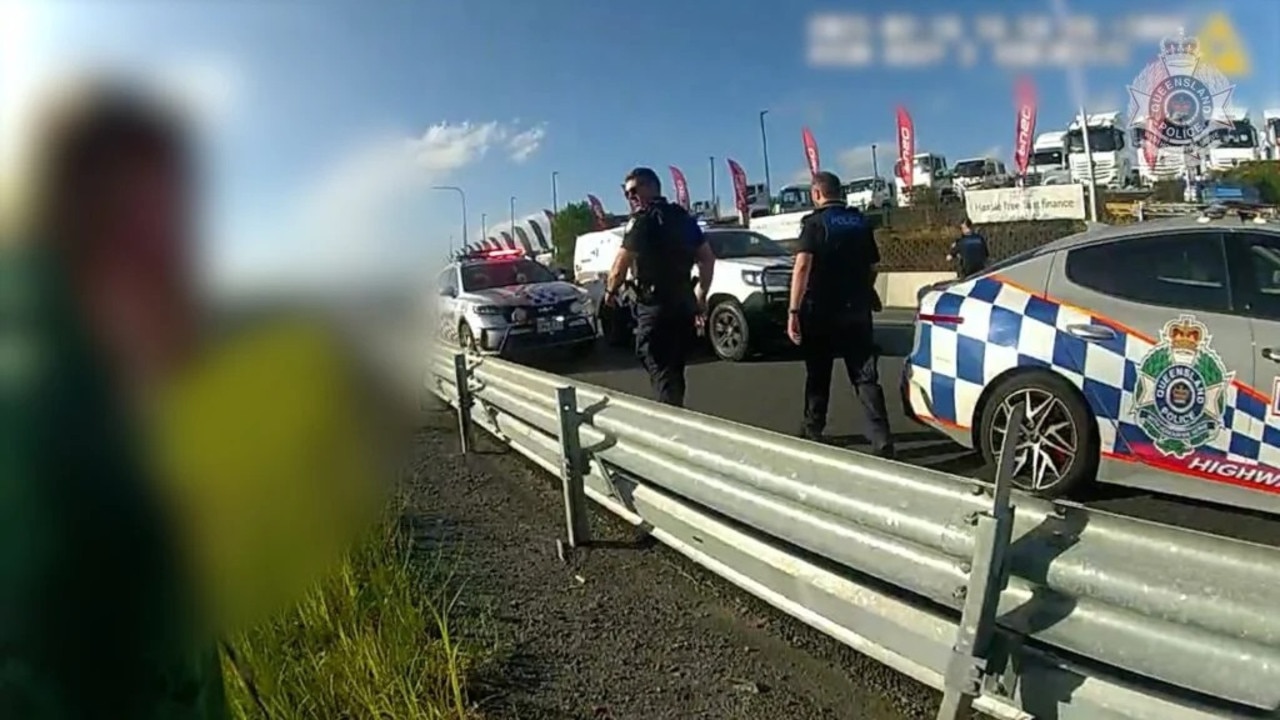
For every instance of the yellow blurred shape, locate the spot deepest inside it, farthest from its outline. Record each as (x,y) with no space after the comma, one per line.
(1222,47)
(268,468)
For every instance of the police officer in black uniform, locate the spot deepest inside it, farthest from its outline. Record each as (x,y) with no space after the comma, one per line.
(661,245)
(833,296)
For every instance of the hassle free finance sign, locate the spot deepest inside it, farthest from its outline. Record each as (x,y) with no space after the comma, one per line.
(1044,202)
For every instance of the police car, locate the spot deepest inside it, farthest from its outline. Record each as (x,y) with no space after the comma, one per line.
(750,292)
(1145,355)
(501,302)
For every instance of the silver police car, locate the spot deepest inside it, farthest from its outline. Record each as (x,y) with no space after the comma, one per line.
(501,302)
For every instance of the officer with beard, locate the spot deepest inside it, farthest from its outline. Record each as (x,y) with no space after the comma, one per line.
(661,245)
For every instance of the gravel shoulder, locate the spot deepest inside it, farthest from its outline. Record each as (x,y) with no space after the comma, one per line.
(626,630)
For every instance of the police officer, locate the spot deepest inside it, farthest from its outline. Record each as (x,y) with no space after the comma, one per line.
(832,299)
(969,253)
(661,244)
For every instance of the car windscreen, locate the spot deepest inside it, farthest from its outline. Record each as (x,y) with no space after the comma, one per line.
(740,244)
(969,168)
(489,275)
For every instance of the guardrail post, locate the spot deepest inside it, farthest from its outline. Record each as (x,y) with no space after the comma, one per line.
(461,378)
(571,467)
(992,536)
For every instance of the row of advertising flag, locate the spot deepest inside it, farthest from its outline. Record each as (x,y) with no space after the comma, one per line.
(1024,136)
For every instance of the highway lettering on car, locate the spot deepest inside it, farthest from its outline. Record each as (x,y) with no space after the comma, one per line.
(1169,402)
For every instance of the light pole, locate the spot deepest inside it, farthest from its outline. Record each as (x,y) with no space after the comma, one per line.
(764,143)
(484,226)
(875,163)
(513,218)
(1076,79)
(555,194)
(715,206)
(462,195)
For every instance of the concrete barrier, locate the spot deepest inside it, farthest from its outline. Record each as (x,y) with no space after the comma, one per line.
(898,289)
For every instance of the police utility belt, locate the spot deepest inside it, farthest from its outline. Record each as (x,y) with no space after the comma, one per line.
(651,294)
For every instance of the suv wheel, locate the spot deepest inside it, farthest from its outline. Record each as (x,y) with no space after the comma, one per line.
(1058,449)
(466,338)
(727,328)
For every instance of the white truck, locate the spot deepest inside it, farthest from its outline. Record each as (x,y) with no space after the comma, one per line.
(1234,145)
(928,170)
(870,193)
(1271,126)
(978,173)
(793,198)
(1048,162)
(1115,159)
(750,293)
(1170,161)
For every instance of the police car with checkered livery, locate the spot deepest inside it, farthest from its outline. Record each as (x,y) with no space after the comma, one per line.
(501,302)
(1145,355)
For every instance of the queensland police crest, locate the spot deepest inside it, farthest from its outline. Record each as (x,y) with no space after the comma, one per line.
(1181,394)
(1179,99)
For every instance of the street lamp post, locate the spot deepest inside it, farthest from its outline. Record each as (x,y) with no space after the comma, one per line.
(764,143)
(462,195)
(484,226)
(875,163)
(513,218)
(555,192)
(715,206)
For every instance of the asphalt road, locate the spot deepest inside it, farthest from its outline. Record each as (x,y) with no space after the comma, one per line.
(766,393)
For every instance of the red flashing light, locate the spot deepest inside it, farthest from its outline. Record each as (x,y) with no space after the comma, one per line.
(510,252)
(941,319)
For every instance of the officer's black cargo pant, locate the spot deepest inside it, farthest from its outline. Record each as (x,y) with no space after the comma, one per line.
(848,336)
(664,339)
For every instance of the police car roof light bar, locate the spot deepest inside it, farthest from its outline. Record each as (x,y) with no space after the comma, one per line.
(490,254)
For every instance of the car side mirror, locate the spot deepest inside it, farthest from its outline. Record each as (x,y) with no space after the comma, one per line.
(448,292)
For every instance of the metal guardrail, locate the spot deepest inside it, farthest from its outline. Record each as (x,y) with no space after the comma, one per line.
(1018,607)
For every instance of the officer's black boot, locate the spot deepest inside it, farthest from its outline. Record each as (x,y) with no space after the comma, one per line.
(809,431)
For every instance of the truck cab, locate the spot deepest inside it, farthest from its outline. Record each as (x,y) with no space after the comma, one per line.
(1115,159)
(977,173)
(869,193)
(1170,163)
(1271,132)
(1231,146)
(758,203)
(928,170)
(793,198)
(1048,163)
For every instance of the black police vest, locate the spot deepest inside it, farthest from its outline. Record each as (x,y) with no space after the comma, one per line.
(840,277)
(665,255)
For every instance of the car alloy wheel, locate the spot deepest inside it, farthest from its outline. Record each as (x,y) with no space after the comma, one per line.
(1049,442)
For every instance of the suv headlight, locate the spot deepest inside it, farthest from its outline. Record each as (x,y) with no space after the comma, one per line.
(579,307)
(519,315)
(488,310)
(752,277)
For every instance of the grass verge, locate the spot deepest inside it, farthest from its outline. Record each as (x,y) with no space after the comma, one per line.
(372,641)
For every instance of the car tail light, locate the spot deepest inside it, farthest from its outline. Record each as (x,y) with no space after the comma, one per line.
(940,319)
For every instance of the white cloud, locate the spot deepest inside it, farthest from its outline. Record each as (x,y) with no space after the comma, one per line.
(362,218)
(856,162)
(523,145)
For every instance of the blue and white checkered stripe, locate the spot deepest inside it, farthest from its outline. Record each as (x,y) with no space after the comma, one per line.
(1006,327)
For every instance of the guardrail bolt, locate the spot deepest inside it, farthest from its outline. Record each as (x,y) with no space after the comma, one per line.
(976,490)
(971,518)
(966,567)
(960,593)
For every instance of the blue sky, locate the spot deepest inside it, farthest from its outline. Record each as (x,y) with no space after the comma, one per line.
(319,111)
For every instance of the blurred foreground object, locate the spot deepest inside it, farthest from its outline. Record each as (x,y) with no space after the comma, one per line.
(270,464)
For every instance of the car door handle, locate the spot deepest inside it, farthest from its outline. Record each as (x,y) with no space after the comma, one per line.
(1271,354)
(1097,333)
